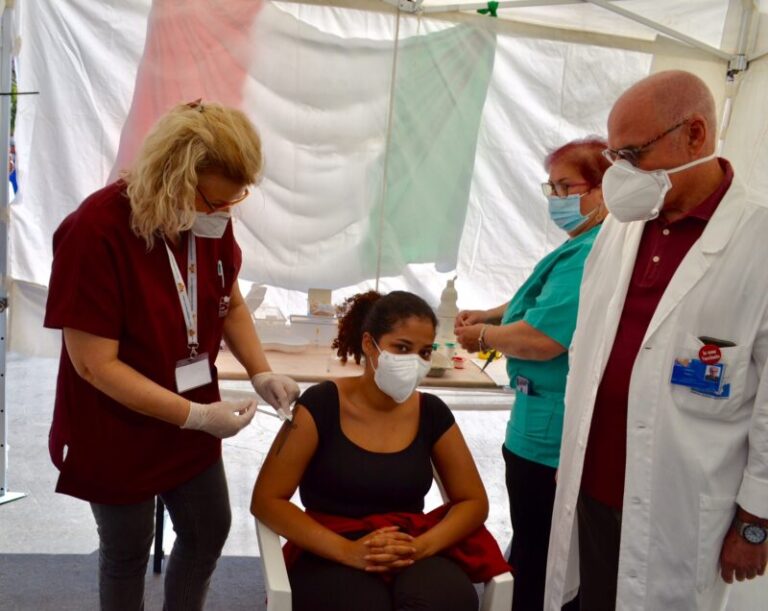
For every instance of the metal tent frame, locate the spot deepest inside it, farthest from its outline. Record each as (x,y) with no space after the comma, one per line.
(6,42)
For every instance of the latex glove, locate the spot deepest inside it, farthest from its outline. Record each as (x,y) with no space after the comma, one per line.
(222,418)
(278,390)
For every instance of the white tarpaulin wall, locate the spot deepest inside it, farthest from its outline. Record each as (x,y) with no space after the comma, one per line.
(474,107)
(468,118)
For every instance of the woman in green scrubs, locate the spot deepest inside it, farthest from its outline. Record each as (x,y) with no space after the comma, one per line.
(534,330)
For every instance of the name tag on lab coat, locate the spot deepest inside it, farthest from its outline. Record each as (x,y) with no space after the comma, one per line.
(193,372)
(702,378)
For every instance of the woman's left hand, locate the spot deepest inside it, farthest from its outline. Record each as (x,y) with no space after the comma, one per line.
(278,390)
(468,337)
(389,550)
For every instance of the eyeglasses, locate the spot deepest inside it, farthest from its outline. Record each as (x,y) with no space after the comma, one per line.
(561,189)
(632,154)
(223,204)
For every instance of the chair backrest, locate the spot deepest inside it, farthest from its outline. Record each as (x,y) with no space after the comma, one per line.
(439,484)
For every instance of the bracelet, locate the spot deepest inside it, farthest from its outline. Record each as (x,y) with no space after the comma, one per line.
(481,340)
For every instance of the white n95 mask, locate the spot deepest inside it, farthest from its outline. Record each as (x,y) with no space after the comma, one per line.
(632,194)
(398,375)
(211,225)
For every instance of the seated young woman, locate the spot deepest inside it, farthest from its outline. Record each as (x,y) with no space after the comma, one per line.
(361,451)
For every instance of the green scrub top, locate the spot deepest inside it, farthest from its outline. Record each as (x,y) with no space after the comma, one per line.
(549,302)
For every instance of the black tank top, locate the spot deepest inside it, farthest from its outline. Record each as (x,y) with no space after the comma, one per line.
(346,480)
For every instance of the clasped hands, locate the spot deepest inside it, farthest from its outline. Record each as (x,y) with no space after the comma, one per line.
(384,550)
(467,328)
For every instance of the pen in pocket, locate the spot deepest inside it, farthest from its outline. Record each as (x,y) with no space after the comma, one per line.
(220,272)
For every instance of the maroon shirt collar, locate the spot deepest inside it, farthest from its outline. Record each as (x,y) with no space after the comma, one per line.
(707,207)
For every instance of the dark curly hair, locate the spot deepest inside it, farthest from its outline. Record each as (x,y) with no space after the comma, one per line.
(377,314)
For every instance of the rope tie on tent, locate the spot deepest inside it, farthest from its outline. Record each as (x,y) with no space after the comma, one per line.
(491,10)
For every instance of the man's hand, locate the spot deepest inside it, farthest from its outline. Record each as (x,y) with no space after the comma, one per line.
(741,559)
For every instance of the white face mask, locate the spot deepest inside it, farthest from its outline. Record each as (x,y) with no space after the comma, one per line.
(632,194)
(398,375)
(211,225)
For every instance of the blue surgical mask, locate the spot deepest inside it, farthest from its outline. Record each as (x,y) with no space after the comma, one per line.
(565,212)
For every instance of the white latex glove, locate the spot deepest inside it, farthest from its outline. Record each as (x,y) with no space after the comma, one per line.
(222,418)
(278,390)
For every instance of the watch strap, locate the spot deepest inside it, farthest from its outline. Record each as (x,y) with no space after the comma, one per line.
(741,526)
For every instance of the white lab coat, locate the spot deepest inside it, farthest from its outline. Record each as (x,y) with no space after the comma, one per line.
(690,458)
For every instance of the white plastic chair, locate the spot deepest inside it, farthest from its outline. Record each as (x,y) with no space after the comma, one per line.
(497,595)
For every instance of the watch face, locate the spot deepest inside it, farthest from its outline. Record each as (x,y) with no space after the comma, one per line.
(755,534)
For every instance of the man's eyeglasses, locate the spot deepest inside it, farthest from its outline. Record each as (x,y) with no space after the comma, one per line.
(214,206)
(561,189)
(632,154)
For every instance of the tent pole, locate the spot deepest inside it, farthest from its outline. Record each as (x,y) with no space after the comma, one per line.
(5,128)
(613,7)
(388,141)
(736,66)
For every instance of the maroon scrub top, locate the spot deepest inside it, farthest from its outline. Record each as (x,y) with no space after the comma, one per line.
(105,282)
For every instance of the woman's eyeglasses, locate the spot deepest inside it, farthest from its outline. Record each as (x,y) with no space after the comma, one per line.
(560,189)
(219,205)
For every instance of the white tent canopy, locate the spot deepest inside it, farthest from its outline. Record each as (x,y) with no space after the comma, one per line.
(404,145)
(404,139)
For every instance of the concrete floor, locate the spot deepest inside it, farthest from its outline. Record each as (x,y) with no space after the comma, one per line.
(48,541)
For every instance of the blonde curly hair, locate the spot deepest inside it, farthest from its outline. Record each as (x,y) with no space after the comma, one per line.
(189,140)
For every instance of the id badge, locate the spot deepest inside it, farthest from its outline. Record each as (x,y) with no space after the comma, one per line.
(224,306)
(698,376)
(193,372)
(723,393)
(523,385)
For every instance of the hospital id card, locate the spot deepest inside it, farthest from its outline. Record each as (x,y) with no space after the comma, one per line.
(698,376)
(723,393)
(193,372)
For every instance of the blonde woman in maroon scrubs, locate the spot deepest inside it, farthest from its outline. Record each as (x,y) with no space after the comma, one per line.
(144,287)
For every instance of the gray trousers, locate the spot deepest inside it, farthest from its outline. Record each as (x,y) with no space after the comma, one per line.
(201,517)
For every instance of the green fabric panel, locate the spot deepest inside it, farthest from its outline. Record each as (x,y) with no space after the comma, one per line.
(440,91)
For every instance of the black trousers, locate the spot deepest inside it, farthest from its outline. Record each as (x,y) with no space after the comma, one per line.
(531,489)
(599,538)
(435,584)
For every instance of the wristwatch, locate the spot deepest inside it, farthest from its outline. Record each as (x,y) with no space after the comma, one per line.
(756,534)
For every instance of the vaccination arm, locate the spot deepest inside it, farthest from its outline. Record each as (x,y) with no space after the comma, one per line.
(278,479)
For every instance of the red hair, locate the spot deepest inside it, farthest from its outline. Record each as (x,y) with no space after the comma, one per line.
(586,155)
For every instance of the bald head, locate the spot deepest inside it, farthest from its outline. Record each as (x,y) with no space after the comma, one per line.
(663,99)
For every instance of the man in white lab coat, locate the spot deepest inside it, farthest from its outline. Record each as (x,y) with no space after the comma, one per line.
(663,486)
